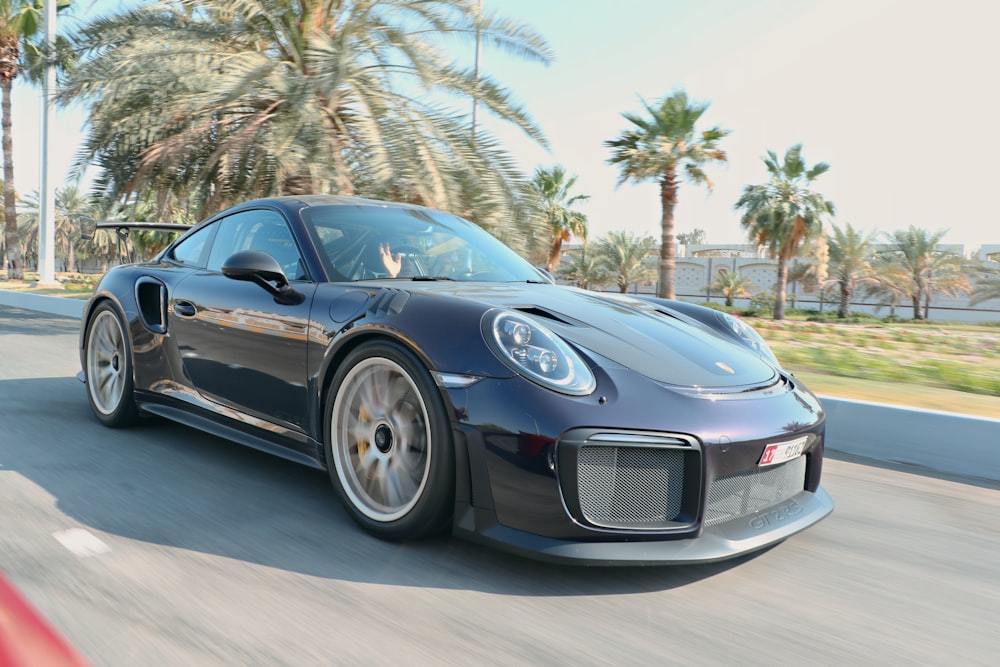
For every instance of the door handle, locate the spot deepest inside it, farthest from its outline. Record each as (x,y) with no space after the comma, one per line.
(185,309)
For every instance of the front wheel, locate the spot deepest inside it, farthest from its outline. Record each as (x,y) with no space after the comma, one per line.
(108,365)
(388,443)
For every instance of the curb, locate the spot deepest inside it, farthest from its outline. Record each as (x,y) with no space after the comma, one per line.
(942,441)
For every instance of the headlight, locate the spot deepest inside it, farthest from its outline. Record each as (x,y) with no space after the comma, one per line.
(748,337)
(537,353)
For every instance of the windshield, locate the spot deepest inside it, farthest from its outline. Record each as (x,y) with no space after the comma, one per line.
(375,243)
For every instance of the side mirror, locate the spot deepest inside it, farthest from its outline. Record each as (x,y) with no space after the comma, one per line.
(259,267)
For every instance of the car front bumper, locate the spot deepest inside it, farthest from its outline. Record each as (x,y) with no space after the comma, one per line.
(733,538)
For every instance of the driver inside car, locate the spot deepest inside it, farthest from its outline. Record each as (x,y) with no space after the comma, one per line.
(446,258)
(393,263)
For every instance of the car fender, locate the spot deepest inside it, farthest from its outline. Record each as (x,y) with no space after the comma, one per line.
(444,332)
(112,287)
(430,328)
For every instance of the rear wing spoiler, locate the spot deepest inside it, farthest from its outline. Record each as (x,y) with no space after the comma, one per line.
(123,229)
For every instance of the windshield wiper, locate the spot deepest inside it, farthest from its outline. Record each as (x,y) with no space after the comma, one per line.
(431,278)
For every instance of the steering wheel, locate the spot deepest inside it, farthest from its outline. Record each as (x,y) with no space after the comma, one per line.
(412,264)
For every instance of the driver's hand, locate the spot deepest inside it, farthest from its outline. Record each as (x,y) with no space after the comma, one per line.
(392,263)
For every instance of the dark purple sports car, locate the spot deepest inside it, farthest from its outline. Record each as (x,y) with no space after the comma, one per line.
(446,384)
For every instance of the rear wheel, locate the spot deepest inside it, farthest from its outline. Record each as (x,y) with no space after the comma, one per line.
(108,364)
(388,443)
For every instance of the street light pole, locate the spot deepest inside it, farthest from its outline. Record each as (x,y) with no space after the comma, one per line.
(479,53)
(47,220)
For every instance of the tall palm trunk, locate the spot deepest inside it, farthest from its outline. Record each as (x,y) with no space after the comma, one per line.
(845,300)
(918,297)
(555,254)
(780,287)
(8,70)
(668,258)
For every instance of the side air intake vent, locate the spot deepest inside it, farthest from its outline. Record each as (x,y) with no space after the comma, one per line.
(151,296)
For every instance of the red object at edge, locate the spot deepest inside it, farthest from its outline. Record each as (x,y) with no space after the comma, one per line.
(26,639)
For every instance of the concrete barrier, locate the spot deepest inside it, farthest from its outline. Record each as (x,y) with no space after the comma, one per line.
(54,305)
(942,441)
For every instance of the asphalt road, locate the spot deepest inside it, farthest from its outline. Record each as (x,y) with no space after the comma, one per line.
(161,546)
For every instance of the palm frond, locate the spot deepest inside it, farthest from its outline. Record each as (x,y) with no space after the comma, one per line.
(231,99)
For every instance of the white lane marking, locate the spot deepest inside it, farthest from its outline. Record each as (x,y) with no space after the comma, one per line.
(81,542)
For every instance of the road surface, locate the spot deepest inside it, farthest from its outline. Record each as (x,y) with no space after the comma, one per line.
(162,546)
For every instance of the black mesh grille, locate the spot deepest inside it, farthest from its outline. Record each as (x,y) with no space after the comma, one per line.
(630,487)
(745,493)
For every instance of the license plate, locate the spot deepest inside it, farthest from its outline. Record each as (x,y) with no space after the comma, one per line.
(785,451)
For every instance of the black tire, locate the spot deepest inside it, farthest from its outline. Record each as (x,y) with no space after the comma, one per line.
(108,367)
(388,443)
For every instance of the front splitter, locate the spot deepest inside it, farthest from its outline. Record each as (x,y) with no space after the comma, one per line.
(733,538)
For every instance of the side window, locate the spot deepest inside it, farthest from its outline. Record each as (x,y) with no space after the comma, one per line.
(257,230)
(191,251)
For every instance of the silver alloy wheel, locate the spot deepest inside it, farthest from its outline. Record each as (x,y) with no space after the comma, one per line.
(106,362)
(381,439)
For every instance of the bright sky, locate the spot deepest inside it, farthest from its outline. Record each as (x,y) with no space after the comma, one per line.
(896,95)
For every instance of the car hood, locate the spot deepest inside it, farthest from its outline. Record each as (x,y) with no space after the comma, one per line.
(648,338)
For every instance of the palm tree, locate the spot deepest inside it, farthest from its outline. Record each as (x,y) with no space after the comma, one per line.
(585,269)
(101,243)
(551,188)
(74,212)
(812,274)
(3,240)
(801,272)
(850,260)
(784,212)
(517,225)
(890,284)
(914,252)
(624,255)
(267,97)
(694,237)
(663,146)
(987,283)
(948,275)
(19,20)
(731,285)
(144,209)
